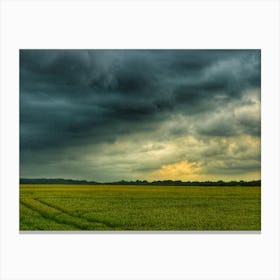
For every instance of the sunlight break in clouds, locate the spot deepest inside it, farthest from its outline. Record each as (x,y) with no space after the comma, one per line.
(182,170)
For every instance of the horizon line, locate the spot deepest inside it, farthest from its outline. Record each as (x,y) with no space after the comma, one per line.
(138,180)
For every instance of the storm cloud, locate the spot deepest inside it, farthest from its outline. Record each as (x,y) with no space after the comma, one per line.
(100,114)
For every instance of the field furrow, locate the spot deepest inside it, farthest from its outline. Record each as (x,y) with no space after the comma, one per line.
(58,216)
(31,219)
(95,222)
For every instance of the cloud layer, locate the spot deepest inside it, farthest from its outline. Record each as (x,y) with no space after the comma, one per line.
(125,114)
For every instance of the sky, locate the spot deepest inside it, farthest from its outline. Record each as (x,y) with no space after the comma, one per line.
(110,115)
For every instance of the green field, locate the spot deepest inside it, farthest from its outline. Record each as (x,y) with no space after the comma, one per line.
(113,207)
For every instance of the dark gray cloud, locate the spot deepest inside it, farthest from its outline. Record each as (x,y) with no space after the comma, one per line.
(77,98)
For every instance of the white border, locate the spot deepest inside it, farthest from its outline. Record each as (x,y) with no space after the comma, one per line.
(155,24)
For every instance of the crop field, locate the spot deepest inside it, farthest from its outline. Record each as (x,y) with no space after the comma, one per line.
(140,208)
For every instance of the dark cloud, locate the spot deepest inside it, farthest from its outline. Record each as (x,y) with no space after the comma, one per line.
(74,98)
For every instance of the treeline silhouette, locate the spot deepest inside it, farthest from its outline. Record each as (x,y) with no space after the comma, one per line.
(144,182)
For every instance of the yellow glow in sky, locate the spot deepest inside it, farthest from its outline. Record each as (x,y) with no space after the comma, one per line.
(182,170)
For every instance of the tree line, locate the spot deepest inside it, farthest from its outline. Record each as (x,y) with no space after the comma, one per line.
(142,182)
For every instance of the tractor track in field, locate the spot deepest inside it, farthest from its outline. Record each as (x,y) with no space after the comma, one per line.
(90,220)
(47,216)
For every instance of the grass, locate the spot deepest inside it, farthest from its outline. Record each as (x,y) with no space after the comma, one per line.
(107,207)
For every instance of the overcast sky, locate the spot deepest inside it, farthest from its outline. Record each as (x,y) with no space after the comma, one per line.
(108,115)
